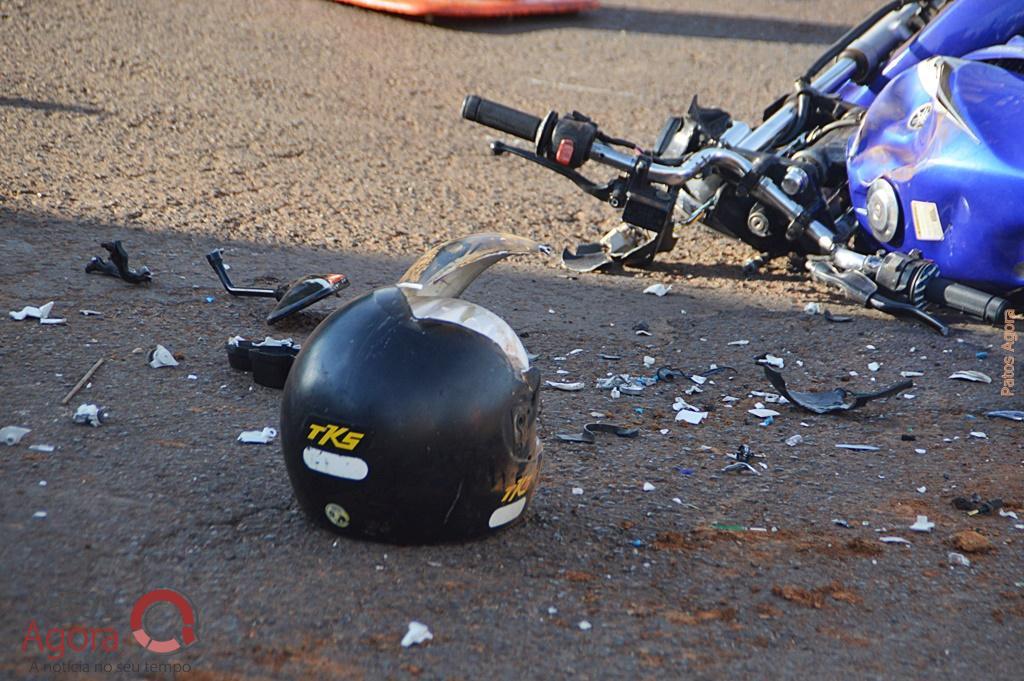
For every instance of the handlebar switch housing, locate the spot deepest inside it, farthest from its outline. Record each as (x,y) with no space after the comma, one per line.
(571,141)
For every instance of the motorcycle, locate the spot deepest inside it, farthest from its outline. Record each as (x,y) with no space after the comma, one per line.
(894,170)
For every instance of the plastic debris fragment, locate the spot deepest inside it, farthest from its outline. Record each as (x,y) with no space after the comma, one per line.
(658,289)
(922,524)
(971,375)
(894,540)
(858,448)
(955,558)
(90,415)
(258,437)
(1006,414)
(12,435)
(975,505)
(648,487)
(417,634)
(828,401)
(584,625)
(794,440)
(31,312)
(588,434)
(117,266)
(566,387)
(42,448)
(161,357)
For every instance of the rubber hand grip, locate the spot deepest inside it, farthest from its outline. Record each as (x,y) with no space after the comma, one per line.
(966,299)
(500,117)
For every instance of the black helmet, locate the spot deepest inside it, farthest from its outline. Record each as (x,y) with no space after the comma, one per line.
(410,414)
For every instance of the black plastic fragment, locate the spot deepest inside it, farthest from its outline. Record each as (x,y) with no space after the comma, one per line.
(117,266)
(588,434)
(975,505)
(828,401)
(269,364)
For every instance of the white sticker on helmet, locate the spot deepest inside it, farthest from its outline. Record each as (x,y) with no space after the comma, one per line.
(337,465)
(506,514)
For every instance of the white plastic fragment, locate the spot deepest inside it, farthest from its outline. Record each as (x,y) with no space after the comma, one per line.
(658,289)
(1008,514)
(971,375)
(30,311)
(922,524)
(615,394)
(649,361)
(920,451)
(773,361)
(566,387)
(417,634)
(978,434)
(41,448)
(258,437)
(692,417)
(922,489)
(699,380)
(648,487)
(894,540)
(584,625)
(39,514)
(738,342)
(89,415)
(577,491)
(192,377)
(161,357)
(794,440)
(52,320)
(91,313)
(911,374)
(11,435)
(813,309)
(958,559)
(874,366)
(858,448)
(762,413)
(552,610)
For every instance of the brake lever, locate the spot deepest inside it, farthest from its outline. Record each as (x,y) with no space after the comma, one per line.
(861,288)
(898,309)
(599,191)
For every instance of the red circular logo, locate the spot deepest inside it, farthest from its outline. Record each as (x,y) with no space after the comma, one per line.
(185,610)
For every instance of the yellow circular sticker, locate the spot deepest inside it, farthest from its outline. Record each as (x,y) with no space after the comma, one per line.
(337,515)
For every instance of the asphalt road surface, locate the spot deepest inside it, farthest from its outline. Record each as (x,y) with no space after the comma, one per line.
(309,136)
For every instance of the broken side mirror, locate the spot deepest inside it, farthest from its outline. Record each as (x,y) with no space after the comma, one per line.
(291,298)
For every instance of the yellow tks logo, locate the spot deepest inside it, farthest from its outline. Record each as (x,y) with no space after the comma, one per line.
(339,437)
(517,489)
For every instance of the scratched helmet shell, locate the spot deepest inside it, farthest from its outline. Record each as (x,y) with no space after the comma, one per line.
(410,414)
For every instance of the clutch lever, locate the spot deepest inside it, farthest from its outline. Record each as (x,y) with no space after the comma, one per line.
(861,288)
(600,191)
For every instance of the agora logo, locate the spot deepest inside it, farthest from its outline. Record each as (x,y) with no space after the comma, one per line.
(57,641)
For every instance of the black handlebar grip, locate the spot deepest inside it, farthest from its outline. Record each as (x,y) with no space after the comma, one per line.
(966,299)
(500,117)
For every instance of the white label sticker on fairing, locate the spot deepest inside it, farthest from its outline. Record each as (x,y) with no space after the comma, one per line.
(337,465)
(927,224)
(508,513)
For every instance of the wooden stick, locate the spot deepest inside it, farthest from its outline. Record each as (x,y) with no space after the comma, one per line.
(82,381)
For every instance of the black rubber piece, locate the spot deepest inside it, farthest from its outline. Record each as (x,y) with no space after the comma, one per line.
(969,300)
(238,355)
(270,365)
(500,117)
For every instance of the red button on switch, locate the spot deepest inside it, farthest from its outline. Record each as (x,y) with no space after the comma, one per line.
(564,153)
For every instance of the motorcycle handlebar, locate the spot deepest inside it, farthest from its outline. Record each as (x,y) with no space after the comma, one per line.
(966,299)
(500,117)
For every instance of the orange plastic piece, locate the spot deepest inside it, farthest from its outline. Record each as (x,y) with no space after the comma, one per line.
(474,9)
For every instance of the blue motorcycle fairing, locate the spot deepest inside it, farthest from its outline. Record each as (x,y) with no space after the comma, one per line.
(948,135)
(961,27)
